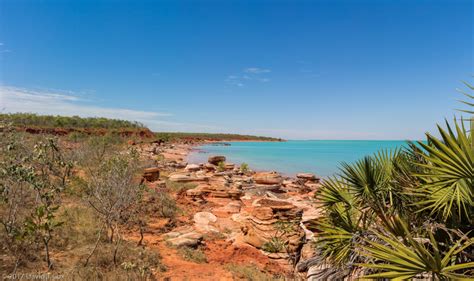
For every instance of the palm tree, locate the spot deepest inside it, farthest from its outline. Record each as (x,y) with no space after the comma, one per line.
(403,214)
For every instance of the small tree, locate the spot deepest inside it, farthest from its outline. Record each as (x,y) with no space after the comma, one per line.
(113,189)
(31,181)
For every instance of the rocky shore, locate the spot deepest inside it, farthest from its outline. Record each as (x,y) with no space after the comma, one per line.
(262,212)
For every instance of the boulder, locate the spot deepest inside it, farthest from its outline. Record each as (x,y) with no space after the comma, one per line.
(216,159)
(192,168)
(184,237)
(183,242)
(229,166)
(267,178)
(204,218)
(151,174)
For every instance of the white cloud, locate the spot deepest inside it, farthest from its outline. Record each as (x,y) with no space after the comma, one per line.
(256,70)
(66,103)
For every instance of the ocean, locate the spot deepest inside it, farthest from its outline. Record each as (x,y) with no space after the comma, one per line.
(321,157)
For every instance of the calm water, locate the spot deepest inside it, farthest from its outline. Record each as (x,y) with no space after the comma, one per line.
(321,157)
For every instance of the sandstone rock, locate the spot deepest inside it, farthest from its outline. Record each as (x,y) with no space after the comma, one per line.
(229,166)
(267,178)
(186,177)
(192,168)
(205,228)
(183,236)
(306,176)
(216,159)
(204,218)
(209,167)
(180,177)
(151,174)
(313,186)
(180,242)
(227,210)
(264,222)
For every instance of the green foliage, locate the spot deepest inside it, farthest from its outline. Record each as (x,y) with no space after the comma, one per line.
(275,245)
(193,255)
(221,166)
(251,272)
(49,121)
(409,257)
(31,181)
(402,214)
(179,187)
(173,136)
(244,167)
(448,174)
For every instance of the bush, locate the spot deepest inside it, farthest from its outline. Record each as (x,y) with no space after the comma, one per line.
(275,245)
(251,272)
(244,167)
(191,254)
(221,166)
(179,187)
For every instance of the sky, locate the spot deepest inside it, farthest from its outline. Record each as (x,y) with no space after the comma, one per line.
(290,69)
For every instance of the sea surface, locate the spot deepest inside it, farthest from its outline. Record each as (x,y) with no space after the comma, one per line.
(322,157)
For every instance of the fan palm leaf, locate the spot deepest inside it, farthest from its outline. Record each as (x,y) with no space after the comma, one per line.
(448,173)
(401,259)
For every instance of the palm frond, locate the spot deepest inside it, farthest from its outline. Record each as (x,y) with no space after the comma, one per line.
(410,257)
(448,173)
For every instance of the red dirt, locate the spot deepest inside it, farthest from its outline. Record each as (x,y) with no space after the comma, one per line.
(222,252)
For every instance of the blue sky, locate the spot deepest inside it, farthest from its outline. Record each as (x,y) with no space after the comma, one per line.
(291,69)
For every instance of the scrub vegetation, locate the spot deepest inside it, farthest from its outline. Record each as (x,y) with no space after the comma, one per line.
(66,207)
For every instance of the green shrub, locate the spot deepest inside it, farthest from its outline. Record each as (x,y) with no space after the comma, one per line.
(193,255)
(221,166)
(251,273)
(244,167)
(275,245)
(179,187)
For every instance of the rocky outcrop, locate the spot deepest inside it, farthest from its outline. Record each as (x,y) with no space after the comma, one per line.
(192,168)
(203,222)
(151,174)
(186,177)
(267,178)
(272,224)
(184,236)
(214,190)
(216,159)
(307,177)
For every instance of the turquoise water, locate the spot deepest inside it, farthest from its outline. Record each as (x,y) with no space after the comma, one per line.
(321,157)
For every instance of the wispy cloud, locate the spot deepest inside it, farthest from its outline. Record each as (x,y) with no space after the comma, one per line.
(3,50)
(256,70)
(247,75)
(67,103)
(234,80)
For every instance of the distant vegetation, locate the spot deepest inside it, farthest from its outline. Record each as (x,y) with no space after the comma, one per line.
(169,136)
(75,122)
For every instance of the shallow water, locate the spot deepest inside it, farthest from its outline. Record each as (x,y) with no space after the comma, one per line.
(321,157)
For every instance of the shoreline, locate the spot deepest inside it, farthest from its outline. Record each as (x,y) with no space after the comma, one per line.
(192,148)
